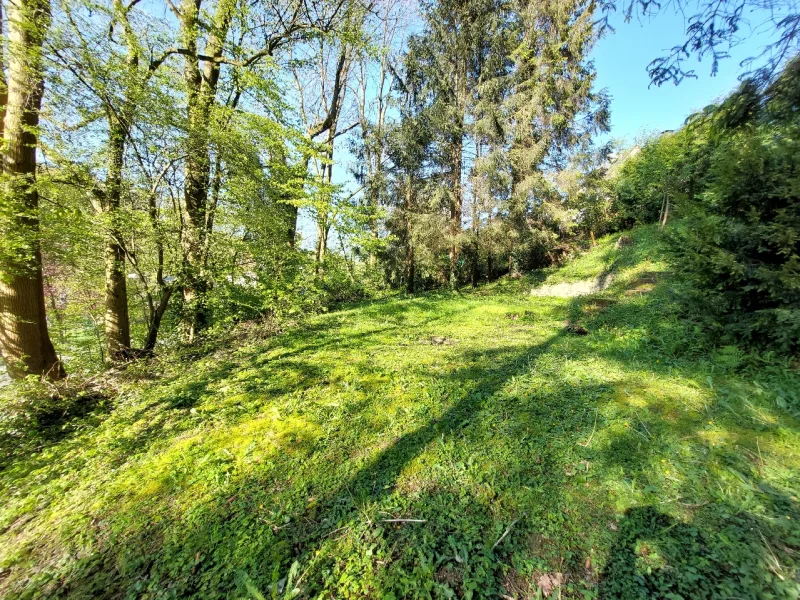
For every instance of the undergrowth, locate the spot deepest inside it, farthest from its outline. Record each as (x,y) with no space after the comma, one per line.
(447,445)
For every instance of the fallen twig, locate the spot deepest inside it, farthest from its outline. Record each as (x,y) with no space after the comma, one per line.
(589,441)
(404,520)
(506,532)
(336,531)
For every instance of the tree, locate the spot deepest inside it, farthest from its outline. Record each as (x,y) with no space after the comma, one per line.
(373,93)
(322,96)
(550,110)
(278,25)
(407,147)
(444,65)
(107,93)
(24,338)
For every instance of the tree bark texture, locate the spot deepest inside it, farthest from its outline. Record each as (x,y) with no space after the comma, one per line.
(24,340)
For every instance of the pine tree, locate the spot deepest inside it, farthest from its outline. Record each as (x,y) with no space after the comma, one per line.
(550,109)
(445,65)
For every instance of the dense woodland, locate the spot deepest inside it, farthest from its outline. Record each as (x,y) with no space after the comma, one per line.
(161,161)
(362,299)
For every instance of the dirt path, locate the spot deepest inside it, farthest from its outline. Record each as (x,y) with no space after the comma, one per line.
(577,288)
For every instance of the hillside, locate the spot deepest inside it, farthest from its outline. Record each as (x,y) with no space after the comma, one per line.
(468,444)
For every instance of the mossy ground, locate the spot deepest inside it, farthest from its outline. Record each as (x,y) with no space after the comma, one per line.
(636,461)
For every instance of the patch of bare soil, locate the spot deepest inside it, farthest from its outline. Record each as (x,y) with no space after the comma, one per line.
(593,306)
(541,585)
(576,288)
(450,577)
(643,284)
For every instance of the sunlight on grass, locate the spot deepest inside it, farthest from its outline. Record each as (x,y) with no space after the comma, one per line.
(424,447)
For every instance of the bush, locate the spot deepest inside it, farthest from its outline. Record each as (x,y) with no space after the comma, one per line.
(741,245)
(733,173)
(741,252)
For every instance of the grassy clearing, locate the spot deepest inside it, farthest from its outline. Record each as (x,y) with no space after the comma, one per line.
(632,462)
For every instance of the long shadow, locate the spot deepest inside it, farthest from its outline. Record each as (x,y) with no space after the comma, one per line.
(333,508)
(657,556)
(46,424)
(55,428)
(372,484)
(199,554)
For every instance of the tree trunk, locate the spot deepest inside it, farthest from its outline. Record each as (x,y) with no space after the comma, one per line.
(323,218)
(455,213)
(410,266)
(117,322)
(374,207)
(197,170)
(489,257)
(456,202)
(476,232)
(24,339)
(288,209)
(291,220)
(322,244)
(666,212)
(201,90)
(411,270)
(155,320)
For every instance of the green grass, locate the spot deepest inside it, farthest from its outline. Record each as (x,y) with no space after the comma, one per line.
(636,461)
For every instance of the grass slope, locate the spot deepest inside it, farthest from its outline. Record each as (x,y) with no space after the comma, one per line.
(632,462)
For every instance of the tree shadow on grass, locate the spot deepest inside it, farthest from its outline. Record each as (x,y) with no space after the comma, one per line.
(721,553)
(38,423)
(502,463)
(456,545)
(207,553)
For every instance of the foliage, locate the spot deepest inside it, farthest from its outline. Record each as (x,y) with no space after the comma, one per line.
(732,173)
(635,461)
(712,29)
(663,169)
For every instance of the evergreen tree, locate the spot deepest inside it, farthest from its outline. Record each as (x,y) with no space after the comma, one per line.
(445,66)
(550,110)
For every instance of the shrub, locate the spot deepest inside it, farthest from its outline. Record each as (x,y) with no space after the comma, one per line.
(733,174)
(740,245)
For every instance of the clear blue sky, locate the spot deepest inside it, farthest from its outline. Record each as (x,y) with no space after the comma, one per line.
(621,60)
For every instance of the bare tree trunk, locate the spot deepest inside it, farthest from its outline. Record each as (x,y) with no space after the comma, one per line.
(666,212)
(116,321)
(410,266)
(591,233)
(24,340)
(201,90)
(155,320)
